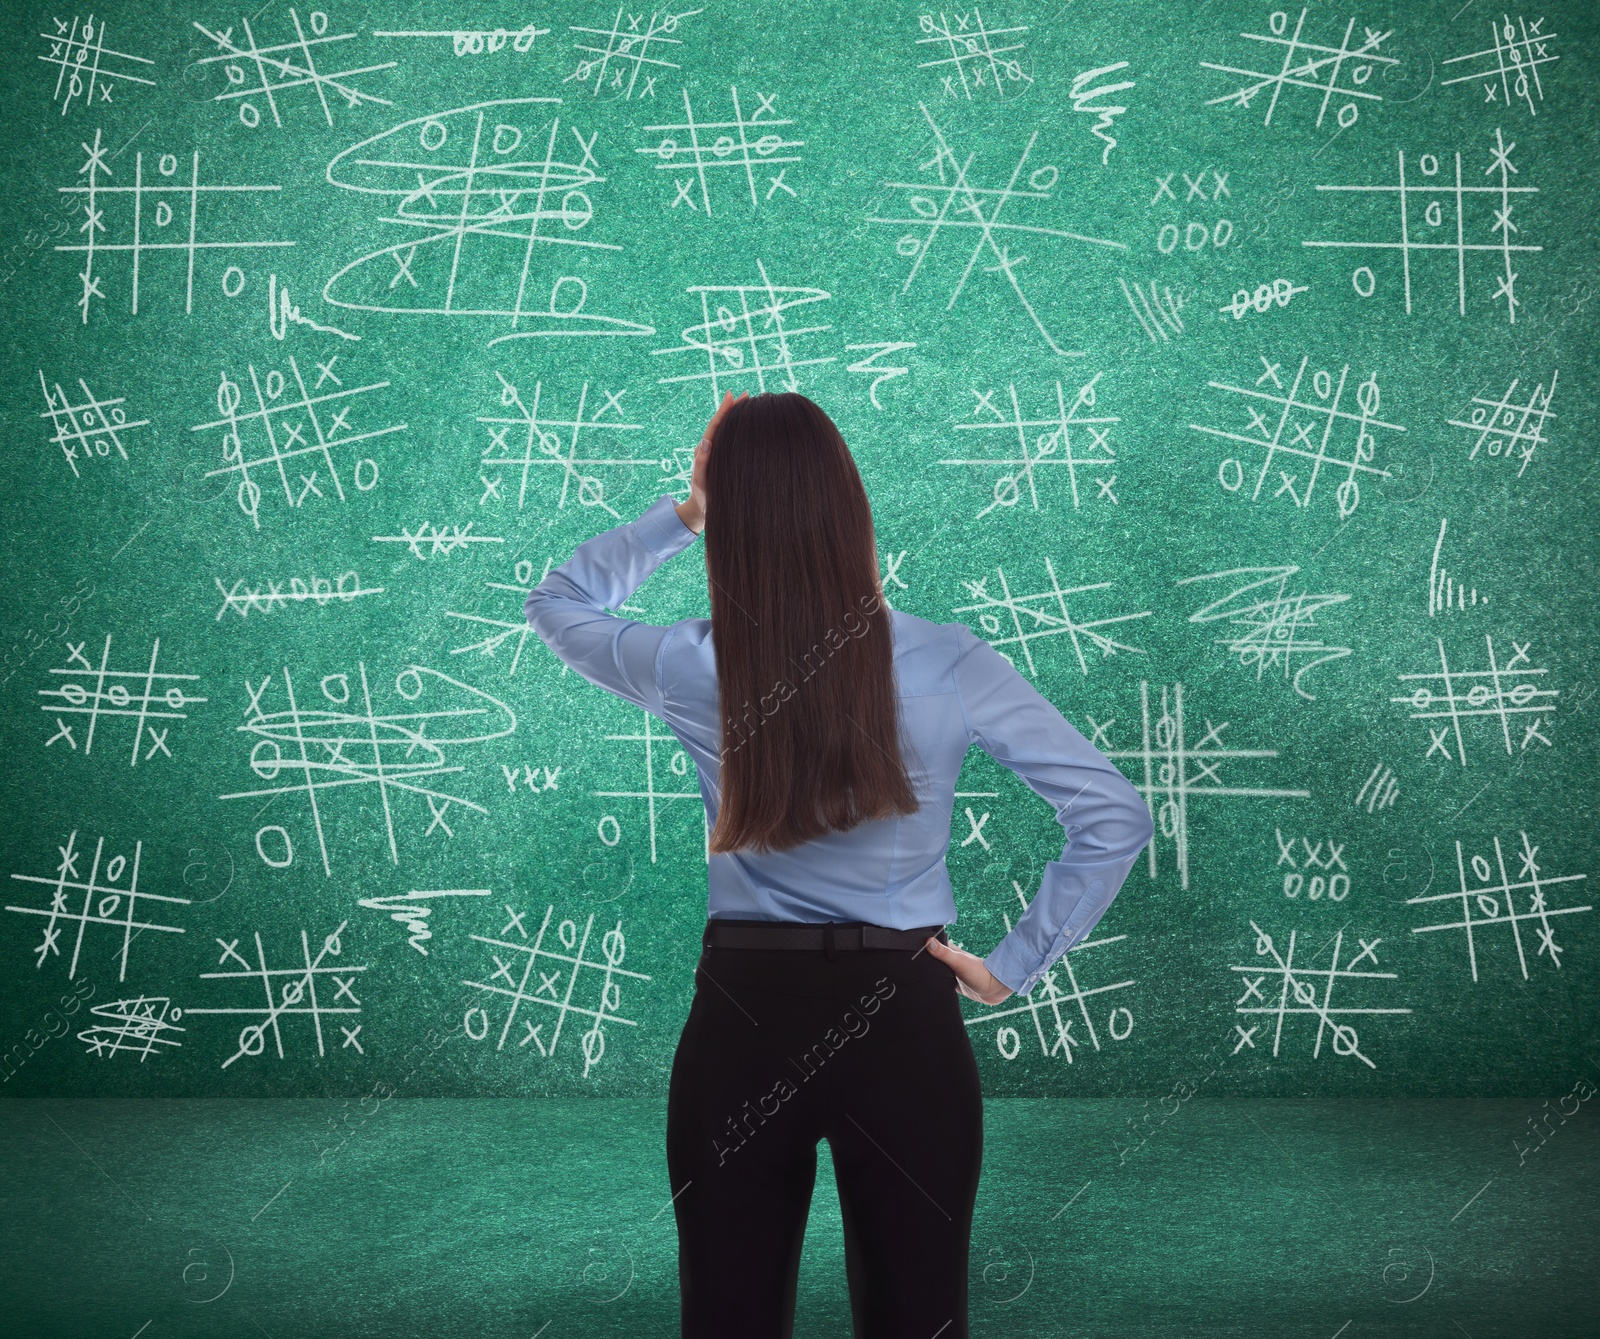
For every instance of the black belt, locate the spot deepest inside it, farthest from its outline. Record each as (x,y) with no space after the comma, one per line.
(829,936)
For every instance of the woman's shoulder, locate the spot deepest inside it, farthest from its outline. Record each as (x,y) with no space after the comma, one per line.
(926,652)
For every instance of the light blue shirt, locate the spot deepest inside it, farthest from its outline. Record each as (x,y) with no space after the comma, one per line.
(955,690)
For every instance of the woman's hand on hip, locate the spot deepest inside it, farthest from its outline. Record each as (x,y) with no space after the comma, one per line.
(973,979)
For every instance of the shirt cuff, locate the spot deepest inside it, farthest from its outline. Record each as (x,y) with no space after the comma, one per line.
(662,530)
(1004,966)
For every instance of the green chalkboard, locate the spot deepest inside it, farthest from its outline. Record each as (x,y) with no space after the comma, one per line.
(1229,369)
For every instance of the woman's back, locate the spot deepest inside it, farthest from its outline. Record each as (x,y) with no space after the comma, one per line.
(954,690)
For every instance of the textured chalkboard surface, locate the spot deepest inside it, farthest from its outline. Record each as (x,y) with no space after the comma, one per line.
(1230,370)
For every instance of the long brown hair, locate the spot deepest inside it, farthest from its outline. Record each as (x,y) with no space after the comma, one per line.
(805,671)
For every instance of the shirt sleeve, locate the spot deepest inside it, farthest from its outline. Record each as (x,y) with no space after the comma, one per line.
(568,608)
(1105,820)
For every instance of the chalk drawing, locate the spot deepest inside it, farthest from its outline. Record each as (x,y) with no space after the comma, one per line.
(553,973)
(1503,690)
(269,595)
(743,334)
(344,749)
(479,207)
(536,437)
(111,896)
(90,428)
(1173,769)
(1427,216)
(1505,429)
(1317,414)
(971,55)
(438,541)
(615,57)
(514,629)
(1316,61)
(412,910)
(1050,1007)
(954,202)
(880,372)
(1087,96)
(1487,900)
(142,695)
(272,436)
(1510,68)
(476,41)
(1278,291)
(1272,628)
(162,192)
(291,992)
(1043,442)
(283,66)
(740,143)
(1298,993)
(140,1026)
(86,68)
(656,794)
(1013,619)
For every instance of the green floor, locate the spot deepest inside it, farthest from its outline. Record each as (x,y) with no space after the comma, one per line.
(520,1218)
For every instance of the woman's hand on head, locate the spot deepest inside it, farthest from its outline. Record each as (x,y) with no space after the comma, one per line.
(973,979)
(693,511)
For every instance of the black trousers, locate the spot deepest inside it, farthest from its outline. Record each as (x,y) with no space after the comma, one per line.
(868,1050)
